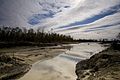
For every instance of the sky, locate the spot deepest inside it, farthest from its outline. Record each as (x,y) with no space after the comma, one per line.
(84,19)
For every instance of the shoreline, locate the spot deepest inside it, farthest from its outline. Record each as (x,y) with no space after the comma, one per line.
(15,75)
(102,66)
(32,54)
(42,69)
(28,56)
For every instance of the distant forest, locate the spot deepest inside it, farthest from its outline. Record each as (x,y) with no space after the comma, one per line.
(114,40)
(11,37)
(24,36)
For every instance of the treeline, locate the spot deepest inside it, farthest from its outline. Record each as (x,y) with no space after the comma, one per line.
(18,35)
(100,40)
(114,40)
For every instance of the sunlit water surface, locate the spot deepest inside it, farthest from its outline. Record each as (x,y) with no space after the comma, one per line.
(62,67)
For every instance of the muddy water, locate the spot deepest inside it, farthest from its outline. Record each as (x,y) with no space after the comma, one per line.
(62,67)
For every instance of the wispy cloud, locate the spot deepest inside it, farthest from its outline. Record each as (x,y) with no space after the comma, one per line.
(102,14)
(84,17)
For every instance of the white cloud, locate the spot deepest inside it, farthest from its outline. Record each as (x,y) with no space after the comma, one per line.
(18,12)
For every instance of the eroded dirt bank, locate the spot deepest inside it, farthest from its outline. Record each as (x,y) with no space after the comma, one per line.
(102,66)
(15,61)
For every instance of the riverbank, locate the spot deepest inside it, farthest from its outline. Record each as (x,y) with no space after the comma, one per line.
(31,44)
(62,66)
(14,61)
(102,66)
(10,66)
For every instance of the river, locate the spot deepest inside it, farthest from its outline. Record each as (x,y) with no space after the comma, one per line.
(62,67)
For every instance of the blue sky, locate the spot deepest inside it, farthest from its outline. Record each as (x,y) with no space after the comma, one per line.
(102,14)
(86,17)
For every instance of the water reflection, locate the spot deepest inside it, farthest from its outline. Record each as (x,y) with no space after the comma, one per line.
(62,67)
(73,58)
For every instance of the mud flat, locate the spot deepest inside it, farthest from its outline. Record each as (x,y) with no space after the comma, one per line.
(15,62)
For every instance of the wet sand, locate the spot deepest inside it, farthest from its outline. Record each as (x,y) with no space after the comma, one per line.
(30,55)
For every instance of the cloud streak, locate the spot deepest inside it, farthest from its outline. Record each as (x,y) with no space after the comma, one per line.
(102,14)
(86,18)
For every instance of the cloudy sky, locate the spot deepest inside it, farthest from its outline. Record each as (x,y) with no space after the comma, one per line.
(78,18)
